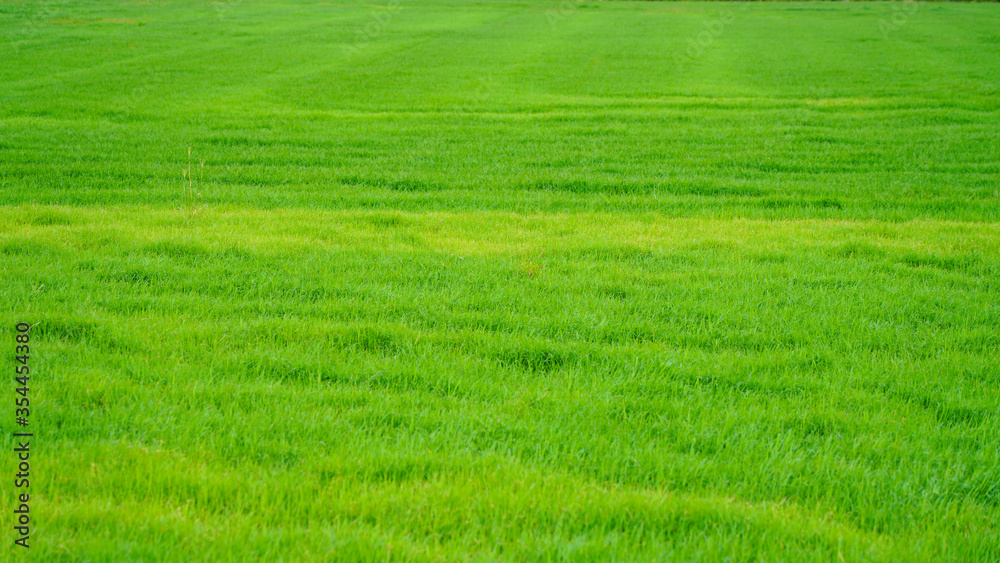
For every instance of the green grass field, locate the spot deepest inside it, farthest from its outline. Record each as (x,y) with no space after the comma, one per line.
(497,280)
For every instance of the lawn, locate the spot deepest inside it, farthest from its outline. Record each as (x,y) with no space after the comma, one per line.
(496,280)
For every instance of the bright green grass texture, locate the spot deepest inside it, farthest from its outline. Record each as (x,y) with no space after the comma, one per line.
(504,280)
(792,110)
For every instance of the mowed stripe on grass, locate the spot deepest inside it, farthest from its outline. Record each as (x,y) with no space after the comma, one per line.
(793,110)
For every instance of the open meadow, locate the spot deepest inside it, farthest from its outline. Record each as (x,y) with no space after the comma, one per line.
(502,280)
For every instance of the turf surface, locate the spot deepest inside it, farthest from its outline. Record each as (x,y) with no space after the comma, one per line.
(505,280)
